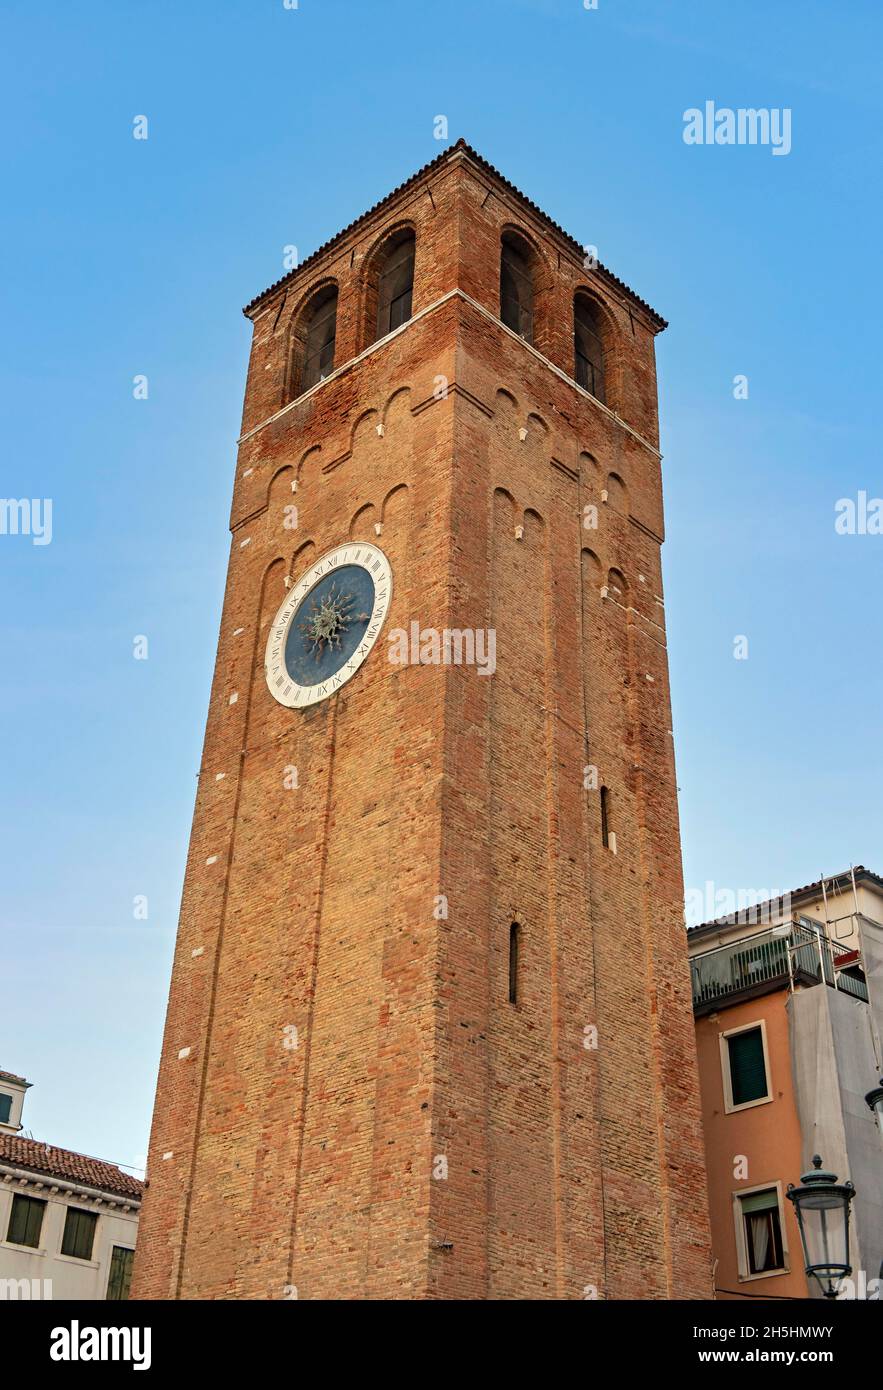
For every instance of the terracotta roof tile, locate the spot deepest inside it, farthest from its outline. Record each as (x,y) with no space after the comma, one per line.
(62,1163)
(11,1076)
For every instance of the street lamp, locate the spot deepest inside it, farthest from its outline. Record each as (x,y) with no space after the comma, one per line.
(875,1103)
(821,1205)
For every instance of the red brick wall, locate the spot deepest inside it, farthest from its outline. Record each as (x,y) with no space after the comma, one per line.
(319,1167)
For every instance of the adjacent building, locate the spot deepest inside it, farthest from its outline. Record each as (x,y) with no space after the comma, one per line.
(67,1222)
(788,1001)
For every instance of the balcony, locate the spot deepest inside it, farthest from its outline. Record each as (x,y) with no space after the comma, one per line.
(785,955)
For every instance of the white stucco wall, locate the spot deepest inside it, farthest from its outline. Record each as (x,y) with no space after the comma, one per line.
(70,1278)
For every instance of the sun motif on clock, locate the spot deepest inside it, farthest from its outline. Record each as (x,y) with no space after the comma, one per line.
(328,624)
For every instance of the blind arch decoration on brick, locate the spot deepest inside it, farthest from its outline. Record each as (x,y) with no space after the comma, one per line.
(361,526)
(591,566)
(397,409)
(617,585)
(617,494)
(312,342)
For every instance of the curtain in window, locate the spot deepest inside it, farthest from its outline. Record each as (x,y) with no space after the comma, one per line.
(759,1236)
(763,1233)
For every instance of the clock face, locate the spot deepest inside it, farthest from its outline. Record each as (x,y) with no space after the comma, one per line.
(328,624)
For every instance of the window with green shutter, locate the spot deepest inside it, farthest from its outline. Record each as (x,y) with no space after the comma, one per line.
(25,1220)
(120,1277)
(5,1108)
(79,1233)
(748,1078)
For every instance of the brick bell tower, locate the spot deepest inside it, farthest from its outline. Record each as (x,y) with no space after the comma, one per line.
(429,1032)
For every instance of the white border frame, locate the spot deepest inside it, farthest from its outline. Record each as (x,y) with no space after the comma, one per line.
(742,1264)
(287,691)
(729,1107)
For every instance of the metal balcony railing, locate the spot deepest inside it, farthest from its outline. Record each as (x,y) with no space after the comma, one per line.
(786,953)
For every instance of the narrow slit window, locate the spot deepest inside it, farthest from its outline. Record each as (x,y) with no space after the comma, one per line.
(605,817)
(514,942)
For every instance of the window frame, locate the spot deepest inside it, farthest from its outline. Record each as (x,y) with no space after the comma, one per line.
(729,1107)
(512,241)
(743,1262)
(6,1119)
(390,261)
(319,314)
(313,307)
(598,330)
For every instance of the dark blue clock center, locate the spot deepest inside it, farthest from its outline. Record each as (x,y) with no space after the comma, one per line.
(328,624)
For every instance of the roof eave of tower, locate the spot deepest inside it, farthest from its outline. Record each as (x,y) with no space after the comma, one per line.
(460,149)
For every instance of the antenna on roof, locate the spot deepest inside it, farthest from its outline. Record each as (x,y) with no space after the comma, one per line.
(825,901)
(854,893)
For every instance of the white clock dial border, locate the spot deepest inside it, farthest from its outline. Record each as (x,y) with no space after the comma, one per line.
(280,684)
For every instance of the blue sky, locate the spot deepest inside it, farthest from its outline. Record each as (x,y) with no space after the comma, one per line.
(270,126)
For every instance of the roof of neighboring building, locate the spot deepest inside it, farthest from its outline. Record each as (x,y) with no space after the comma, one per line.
(749,916)
(461,147)
(11,1076)
(63,1163)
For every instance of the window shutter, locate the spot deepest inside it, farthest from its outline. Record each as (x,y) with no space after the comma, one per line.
(26,1221)
(760,1201)
(748,1079)
(120,1277)
(79,1233)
